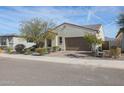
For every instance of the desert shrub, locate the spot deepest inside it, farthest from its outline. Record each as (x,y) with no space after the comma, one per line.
(20,48)
(9,50)
(27,51)
(55,48)
(3,47)
(115,51)
(41,51)
(1,50)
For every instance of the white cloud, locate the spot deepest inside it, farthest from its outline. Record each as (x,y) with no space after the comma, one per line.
(10,18)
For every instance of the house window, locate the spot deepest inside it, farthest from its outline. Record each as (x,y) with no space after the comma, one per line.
(3,41)
(60,40)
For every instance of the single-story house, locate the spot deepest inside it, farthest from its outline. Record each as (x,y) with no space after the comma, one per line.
(70,36)
(13,40)
(120,39)
(108,43)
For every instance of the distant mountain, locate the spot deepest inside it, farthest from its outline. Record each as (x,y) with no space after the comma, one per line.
(109,39)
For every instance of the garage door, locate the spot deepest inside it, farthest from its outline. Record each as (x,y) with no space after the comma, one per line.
(77,43)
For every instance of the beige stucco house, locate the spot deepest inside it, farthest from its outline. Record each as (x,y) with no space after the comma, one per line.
(13,40)
(120,39)
(70,36)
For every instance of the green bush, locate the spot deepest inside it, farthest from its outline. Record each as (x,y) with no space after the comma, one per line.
(27,51)
(1,50)
(41,51)
(115,51)
(45,50)
(55,48)
(20,48)
(9,50)
(49,49)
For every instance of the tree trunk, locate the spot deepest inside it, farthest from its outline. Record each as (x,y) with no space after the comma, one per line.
(40,44)
(93,47)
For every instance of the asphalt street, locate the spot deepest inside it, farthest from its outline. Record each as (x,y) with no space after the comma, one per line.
(17,72)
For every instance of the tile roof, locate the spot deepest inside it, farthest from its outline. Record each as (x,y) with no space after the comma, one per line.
(9,35)
(94,27)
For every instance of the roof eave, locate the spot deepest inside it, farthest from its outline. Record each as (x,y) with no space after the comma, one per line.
(75,25)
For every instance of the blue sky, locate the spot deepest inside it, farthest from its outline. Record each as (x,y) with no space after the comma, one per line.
(10,17)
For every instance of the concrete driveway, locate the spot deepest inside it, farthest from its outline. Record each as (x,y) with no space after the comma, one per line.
(81,55)
(27,72)
(71,54)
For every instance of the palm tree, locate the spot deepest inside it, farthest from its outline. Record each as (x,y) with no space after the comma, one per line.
(121,20)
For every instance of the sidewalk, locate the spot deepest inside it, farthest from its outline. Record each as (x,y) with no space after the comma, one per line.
(97,63)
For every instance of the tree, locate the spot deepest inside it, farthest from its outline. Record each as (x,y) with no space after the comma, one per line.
(121,23)
(121,20)
(93,40)
(49,34)
(36,30)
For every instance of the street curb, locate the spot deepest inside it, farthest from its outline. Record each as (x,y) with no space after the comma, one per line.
(98,63)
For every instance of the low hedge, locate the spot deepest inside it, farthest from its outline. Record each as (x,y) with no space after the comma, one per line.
(9,50)
(56,48)
(1,50)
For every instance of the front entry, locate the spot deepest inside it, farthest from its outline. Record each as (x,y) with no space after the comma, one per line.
(49,43)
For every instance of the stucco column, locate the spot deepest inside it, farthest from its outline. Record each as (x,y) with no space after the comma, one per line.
(0,41)
(7,42)
(45,43)
(64,45)
(56,40)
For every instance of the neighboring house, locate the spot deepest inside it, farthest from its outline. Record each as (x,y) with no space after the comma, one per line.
(108,43)
(70,36)
(13,40)
(120,39)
